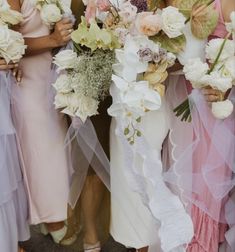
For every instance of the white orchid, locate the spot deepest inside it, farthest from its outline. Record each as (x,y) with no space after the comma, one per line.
(132,98)
(129,62)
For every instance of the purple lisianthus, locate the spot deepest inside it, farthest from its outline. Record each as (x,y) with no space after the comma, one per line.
(146,54)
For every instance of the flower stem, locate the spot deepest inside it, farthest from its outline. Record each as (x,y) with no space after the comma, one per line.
(219,54)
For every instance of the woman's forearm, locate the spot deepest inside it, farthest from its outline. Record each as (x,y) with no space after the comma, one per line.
(40,44)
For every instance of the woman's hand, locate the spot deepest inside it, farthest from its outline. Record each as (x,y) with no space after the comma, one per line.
(5,66)
(213,95)
(62,32)
(11,66)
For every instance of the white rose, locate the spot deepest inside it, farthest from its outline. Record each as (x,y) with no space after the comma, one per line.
(61,100)
(15,49)
(222,109)
(229,67)
(87,107)
(213,48)
(217,81)
(194,71)
(4,37)
(50,14)
(66,59)
(173,22)
(11,17)
(62,84)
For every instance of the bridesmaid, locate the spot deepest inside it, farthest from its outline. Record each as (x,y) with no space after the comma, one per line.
(224,8)
(13,201)
(196,163)
(40,128)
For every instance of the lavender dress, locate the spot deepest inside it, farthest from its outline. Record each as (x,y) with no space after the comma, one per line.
(13,202)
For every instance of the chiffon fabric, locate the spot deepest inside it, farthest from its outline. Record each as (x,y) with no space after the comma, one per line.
(202,165)
(41,130)
(13,200)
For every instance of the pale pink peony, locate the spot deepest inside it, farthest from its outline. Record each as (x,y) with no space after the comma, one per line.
(148,23)
(103,5)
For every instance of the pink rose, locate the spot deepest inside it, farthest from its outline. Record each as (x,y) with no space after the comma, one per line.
(103,5)
(148,23)
(90,11)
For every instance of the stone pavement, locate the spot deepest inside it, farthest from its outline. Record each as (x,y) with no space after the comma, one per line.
(41,243)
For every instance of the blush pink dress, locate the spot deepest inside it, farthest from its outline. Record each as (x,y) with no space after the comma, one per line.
(41,130)
(209,233)
(199,159)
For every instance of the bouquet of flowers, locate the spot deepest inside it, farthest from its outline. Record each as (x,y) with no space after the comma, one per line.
(12,47)
(218,73)
(85,71)
(137,82)
(52,11)
(142,63)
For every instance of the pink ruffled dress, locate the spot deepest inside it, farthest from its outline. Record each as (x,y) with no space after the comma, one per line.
(209,233)
(199,160)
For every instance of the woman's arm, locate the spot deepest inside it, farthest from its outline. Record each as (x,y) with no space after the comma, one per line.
(227,7)
(59,37)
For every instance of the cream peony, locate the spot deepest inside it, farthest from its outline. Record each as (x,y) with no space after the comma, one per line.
(148,24)
(66,59)
(213,48)
(87,107)
(62,84)
(50,14)
(223,109)
(173,22)
(194,71)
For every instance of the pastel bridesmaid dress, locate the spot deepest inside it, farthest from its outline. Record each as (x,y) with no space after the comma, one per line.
(209,233)
(13,201)
(41,130)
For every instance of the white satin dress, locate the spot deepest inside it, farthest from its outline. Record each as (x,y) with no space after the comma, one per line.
(132,223)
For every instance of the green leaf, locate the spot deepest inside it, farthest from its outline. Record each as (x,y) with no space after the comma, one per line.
(174,45)
(203,23)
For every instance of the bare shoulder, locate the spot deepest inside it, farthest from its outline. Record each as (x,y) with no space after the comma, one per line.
(15,4)
(227,7)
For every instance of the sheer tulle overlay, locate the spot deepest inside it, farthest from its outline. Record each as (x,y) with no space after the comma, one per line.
(201,165)
(13,202)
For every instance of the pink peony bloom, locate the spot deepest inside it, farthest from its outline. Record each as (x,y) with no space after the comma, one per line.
(103,5)
(148,23)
